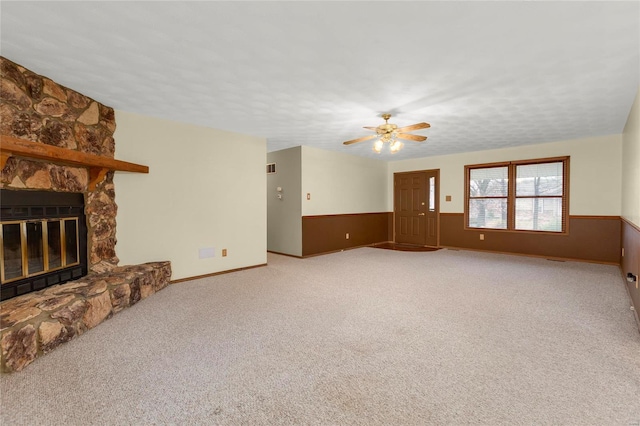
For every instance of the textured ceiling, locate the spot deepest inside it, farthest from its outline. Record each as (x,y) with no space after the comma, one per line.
(484,74)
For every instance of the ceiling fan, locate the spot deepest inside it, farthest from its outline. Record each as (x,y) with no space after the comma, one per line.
(390,133)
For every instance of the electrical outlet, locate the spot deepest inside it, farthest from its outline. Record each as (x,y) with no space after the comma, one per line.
(224,252)
(347,236)
(481,237)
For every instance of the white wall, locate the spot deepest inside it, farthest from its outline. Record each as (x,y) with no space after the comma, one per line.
(631,165)
(284,216)
(341,183)
(594,181)
(205,188)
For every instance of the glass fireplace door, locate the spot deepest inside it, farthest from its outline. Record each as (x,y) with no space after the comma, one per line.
(34,247)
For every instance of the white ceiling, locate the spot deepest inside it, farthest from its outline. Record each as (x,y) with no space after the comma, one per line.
(484,74)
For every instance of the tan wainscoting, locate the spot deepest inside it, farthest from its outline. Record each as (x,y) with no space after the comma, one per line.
(631,261)
(326,233)
(590,238)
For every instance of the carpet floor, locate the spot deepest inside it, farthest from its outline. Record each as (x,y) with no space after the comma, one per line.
(361,337)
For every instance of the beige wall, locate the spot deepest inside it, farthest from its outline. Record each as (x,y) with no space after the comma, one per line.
(341,183)
(631,165)
(595,175)
(284,216)
(206,188)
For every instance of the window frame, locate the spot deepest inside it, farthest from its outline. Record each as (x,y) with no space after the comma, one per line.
(511,194)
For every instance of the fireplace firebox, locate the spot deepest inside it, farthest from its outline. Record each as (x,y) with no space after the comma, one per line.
(44,240)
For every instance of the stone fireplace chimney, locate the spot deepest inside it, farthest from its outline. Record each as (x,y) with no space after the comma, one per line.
(35,108)
(49,201)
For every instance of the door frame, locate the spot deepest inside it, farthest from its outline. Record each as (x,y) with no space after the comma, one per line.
(437,198)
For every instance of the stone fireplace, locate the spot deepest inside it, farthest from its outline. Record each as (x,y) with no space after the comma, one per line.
(59,219)
(37,109)
(44,240)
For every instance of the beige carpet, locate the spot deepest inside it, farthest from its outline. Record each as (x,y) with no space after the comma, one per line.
(365,337)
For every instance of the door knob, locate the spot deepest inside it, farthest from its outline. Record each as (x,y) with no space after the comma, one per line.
(420,214)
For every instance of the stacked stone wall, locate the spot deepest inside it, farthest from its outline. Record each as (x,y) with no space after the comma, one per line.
(35,108)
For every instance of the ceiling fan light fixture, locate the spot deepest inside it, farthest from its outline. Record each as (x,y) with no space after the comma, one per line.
(389,133)
(395,147)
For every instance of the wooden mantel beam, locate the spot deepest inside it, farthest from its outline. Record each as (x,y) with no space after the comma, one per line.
(98,165)
(10,146)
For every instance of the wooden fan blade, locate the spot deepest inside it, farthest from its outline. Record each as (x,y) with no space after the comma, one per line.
(416,138)
(362,139)
(413,127)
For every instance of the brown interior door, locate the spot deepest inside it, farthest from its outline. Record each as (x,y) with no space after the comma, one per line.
(416,208)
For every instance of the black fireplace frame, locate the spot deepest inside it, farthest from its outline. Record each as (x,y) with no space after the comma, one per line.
(32,205)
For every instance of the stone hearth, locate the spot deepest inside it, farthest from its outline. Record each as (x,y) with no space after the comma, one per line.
(36,323)
(35,108)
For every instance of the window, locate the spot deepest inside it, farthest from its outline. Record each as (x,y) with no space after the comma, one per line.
(488,193)
(432,193)
(518,196)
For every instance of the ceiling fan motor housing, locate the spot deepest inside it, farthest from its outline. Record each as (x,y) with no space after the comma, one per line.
(386,128)
(388,132)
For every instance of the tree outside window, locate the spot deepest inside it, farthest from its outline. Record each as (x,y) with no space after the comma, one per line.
(521,196)
(488,192)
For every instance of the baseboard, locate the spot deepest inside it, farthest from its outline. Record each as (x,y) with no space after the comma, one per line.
(538,256)
(228,271)
(284,254)
(344,249)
